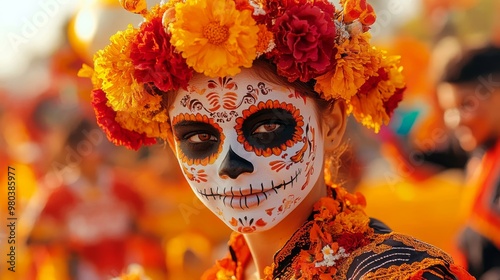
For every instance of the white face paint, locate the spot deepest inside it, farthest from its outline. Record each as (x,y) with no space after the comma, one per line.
(250,149)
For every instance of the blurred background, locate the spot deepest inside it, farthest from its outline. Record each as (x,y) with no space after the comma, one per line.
(86,209)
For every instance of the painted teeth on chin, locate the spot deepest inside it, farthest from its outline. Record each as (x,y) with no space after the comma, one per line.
(264,193)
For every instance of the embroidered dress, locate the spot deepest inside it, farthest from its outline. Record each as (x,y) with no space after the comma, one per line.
(339,241)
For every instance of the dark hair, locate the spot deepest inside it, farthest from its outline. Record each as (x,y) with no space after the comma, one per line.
(472,65)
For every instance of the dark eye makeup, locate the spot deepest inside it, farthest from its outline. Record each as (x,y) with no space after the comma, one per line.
(269,128)
(197,140)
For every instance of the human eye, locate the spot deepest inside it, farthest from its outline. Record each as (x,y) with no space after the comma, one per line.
(266,128)
(201,138)
(199,142)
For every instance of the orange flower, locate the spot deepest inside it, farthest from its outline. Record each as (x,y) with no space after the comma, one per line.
(353,222)
(134,6)
(358,10)
(265,40)
(327,208)
(355,62)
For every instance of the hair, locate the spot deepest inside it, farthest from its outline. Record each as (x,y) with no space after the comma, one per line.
(472,65)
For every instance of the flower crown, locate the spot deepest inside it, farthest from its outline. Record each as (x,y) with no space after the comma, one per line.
(307,40)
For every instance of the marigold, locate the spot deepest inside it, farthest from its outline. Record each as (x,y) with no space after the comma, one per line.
(356,221)
(156,60)
(215,38)
(355,62)
(115,71)
(358,10)
(305,36)
(134,122)
(307,40)
(134,6)
(350,241)
(106,119)
(379,96)
(327,209)
(265,42)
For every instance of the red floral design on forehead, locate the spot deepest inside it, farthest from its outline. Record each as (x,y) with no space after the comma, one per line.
(310,41)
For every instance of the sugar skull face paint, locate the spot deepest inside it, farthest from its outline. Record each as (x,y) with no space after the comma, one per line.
(247,147)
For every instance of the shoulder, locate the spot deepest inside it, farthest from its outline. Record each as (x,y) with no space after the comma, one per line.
(398,256)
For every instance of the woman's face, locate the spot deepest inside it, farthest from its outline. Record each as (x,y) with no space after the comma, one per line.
(250,149)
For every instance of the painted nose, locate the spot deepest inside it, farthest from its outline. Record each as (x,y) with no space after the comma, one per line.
(233,165)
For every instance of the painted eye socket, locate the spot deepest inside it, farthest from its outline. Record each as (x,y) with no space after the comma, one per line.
(269,128)
(199,139)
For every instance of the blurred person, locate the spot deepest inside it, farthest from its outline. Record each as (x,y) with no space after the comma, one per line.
(89,219)
(470,96)
(253,97)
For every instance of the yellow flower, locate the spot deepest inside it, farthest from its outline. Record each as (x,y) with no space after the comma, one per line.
(214,37)
(139,124)
(355,62)
(151,118)
(115,71)
(134,6)
(369,108)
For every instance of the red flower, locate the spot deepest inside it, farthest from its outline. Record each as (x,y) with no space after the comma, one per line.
(115,133)
(373,81)
(305,35)
(155,59)
(393,101)
(274,9)
(352,241)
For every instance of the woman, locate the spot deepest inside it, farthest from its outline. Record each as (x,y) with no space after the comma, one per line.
(252,96)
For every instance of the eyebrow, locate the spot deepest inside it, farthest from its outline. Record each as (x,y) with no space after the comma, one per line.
(275,113)
(191,123)
(194,125)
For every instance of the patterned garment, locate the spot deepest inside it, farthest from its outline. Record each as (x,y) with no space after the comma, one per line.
(345,245)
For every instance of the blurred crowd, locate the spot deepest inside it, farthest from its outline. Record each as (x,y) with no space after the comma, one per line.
(86,209)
